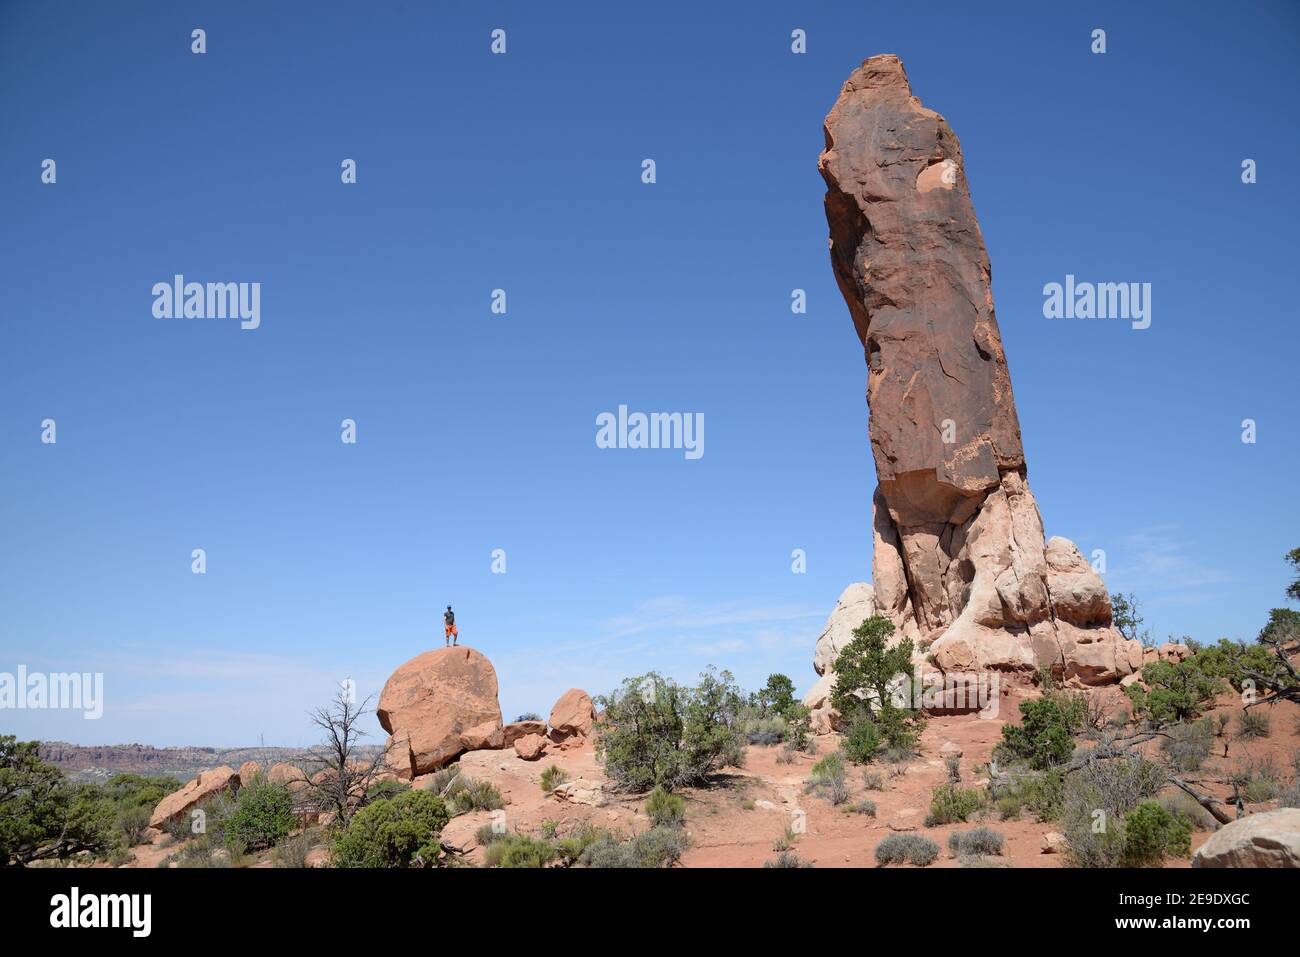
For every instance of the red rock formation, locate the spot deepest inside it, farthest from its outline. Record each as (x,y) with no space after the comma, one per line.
(179,803)
(437,706)
(960,564)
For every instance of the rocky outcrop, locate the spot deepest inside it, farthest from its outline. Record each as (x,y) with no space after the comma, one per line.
(521,729)
(437,706)
(960,563)
(1269,839)
(856,604)
(207,784)
(572,717)
(249,771)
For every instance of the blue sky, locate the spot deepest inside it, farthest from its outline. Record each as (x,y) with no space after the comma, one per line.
(476,431)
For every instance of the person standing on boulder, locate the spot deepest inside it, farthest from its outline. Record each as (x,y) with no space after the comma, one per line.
(449,619)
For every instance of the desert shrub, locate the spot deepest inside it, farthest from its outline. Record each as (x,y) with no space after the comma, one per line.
(292,851)
(826,779)
(864,806)
(981,840)
(1256,781)
(582,836)
(131,822)
(1188,744)
(786,756)
(518,850)
(1252,724)
(384,789)
(1290,796)
(868,673)
(953,766)
(528,716)
(471,794)
(263,813)
(785,840)
(137,790)
(45,816)
(1095,800)
(445,780)
(763,731)
(1183,805)
(873,780)
(1152,833)
(657,847)
(665,809)
(399,832)
(950,804)
(1043,738)
(907,849)
(657,732)
(798,727)
(199,853)
(489,834)
(862,739)
(787,859)
(552,777)
(1035,792)
(1181,690)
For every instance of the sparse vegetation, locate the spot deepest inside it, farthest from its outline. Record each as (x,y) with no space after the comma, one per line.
(402,831)
(657,732)
(827,779)
(1188,744)
(261,816)
(665,809)
(950,804)
(1252,724)
(1152,833)
(552,777)
(907,849)
(787,859)
(980,841)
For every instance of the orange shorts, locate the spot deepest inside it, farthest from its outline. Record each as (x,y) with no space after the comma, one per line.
(451,630)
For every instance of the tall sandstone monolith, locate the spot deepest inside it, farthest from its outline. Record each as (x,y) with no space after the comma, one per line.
(960,564)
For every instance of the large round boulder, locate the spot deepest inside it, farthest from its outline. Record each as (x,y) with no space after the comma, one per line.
(1268,839)
(573,716)
(436,707)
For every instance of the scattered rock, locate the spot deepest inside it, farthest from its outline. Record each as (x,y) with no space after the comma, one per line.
(581,791)
(1054,843)
(204,786)
(950,749)
(437,706)
(573,716)
(520,729)
(1267,839)
(530,747)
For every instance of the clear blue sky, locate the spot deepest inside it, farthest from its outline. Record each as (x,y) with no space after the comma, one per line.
(476,431)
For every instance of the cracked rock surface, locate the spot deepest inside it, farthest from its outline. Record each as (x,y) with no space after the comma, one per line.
(960,563)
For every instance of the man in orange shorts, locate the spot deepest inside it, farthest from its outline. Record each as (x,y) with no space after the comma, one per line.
(449,619)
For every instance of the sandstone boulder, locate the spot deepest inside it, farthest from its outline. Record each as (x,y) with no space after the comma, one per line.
(1269,839)
(282,773)
(856,604)
(207,784)
(573,716)
(530,747)
(521,729)
(437,706)
(248,771)
(960,563)
(581,791)
(1054,843)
